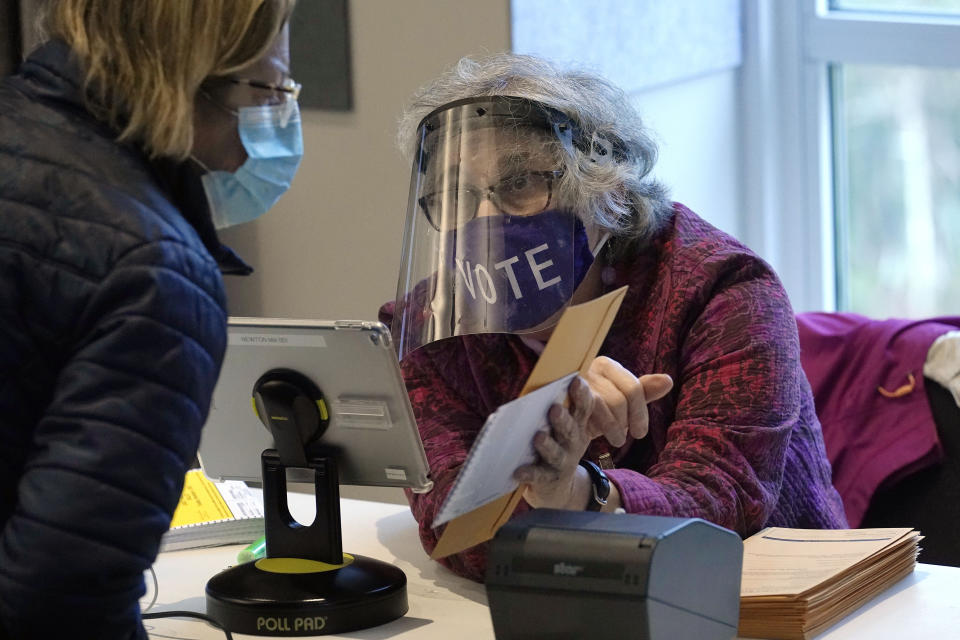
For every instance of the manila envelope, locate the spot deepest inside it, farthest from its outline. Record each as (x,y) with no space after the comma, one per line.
(573,345)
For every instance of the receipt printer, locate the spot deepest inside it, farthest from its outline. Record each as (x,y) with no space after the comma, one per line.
(579,574)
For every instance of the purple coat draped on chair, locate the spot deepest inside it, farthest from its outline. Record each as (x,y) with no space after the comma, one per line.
(868,387)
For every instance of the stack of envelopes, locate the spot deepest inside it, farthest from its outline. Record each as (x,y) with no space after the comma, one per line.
(798,582)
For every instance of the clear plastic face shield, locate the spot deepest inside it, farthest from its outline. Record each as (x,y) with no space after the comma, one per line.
(491,243)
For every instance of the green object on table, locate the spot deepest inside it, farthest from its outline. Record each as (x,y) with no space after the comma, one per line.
(256,550)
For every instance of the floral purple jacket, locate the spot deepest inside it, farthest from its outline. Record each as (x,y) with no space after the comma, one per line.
(736,442)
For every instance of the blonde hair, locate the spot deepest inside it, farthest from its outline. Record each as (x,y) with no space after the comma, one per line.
(144,60)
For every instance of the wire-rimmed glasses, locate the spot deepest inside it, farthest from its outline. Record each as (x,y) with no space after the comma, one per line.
(288,88)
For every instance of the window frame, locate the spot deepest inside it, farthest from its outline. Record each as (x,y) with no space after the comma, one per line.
(788,138)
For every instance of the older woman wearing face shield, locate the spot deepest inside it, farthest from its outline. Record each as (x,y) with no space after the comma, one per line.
(530,191)
(126,140)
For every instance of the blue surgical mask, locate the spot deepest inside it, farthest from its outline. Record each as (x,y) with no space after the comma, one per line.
(272,138)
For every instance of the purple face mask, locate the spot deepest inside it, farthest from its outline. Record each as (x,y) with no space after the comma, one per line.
(515,272)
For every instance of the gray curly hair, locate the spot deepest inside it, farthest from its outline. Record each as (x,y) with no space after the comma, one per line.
(623,198)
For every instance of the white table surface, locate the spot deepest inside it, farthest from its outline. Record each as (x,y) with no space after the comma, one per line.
(444,606)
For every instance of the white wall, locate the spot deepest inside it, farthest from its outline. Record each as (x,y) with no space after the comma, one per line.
(330,248)
(696,123)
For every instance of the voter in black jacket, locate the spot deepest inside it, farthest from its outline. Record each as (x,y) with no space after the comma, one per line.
(124,145)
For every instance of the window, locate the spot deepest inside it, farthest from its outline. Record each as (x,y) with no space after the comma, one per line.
(896,158)
(931,7)
(853,116)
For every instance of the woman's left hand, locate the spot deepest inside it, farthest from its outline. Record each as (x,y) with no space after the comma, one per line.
(552,480)
(609,402)
(620,400)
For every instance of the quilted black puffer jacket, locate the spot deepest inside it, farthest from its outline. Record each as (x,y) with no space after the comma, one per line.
(112,333)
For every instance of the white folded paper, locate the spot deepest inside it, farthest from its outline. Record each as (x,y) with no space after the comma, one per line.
(504,443)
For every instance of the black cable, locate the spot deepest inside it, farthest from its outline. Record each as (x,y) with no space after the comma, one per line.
(188,614)
(156,590)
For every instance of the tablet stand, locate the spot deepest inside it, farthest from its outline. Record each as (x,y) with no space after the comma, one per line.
(305,585)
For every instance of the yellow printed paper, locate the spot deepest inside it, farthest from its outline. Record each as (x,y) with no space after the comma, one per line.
(199,502)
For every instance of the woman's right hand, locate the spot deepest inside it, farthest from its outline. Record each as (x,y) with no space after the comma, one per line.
(555,480)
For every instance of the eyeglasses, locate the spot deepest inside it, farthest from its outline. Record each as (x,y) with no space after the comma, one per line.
(288,87)
(224,91)
(522,194)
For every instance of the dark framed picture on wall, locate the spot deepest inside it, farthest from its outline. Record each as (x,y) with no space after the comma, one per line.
(18,32)
(320,54)
(319,48)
